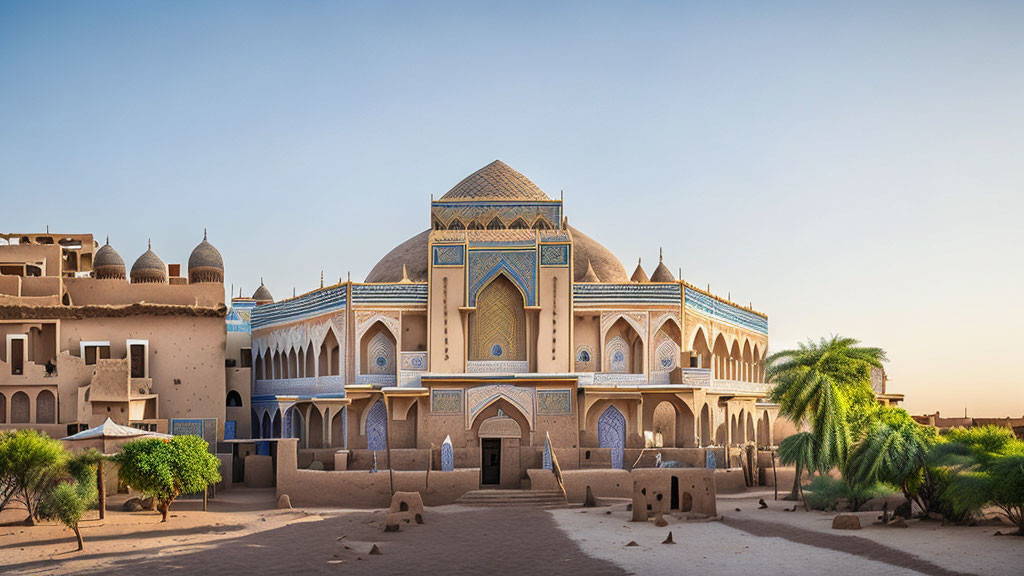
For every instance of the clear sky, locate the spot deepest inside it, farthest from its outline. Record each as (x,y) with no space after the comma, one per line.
(855,169)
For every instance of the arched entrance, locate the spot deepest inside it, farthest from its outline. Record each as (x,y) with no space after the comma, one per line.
(611,433)
(705,427)
(377,427)
(665,425)
(764,430)
(502,429)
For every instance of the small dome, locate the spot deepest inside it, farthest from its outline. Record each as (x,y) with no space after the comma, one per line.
(149,268)
(107,263)
(662,273)
(205,264)
(639,275)
(262,295)
(590,275)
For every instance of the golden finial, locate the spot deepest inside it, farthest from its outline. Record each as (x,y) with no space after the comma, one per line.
(405,276)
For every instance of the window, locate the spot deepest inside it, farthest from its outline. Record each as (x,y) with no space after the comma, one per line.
(17,355)
(246,358)
(96,352)
(138,358)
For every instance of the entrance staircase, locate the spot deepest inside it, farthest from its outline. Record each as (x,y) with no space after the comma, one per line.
(514,498)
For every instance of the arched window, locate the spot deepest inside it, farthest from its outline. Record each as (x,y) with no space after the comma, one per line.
(518,224)
(497,329)
(46,408)
(20,408)
(234,399)
(496,224)
(456,224)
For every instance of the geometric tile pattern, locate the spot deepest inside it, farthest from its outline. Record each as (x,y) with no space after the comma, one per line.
(554,402)
(611,433)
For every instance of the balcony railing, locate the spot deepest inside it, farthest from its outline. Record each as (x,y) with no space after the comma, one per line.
(300,386)
(719,385)
(377,379)
(497,367)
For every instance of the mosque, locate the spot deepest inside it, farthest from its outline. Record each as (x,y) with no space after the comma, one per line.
(501,328)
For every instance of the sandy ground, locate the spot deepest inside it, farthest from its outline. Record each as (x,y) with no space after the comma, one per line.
(773,541)
(240,536)
(242,533)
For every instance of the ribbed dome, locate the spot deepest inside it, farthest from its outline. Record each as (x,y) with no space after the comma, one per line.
(149,268)
(413,253)
(262,295)
(107,263)
(205,264)
(662,273)
(639,275)
(496,181)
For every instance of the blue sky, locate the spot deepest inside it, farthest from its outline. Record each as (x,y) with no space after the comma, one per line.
(852,169)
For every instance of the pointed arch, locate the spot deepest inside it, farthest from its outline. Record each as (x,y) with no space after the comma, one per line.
(705,427)
(378,350)
(330,357)
(748,362)
(456,224)
(497,328)
(702,348)
(474,224)
(519,224)
(623,348)
(611,433)
(377,426)
(541,223)
(495,224)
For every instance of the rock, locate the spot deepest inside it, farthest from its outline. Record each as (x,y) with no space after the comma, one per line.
(375,551)
(316,465)
(629,507)
(905,510)
(284,502)
(761,504)
(737,509)
(590,501)
(668,540)
(148,503)
(608,512)
(846,522)
(659,520)
(132,505)
(392,527)
(632,543)
(897,522)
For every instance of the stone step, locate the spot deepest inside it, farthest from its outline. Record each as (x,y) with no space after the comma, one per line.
(499,498)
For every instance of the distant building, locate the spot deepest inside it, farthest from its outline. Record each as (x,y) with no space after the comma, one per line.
(942,423)
(85,338)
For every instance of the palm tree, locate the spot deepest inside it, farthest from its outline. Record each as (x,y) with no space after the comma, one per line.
(799,450)
(822,383)
(895,450)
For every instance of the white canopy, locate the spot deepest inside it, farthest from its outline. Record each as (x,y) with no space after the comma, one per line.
(111,430)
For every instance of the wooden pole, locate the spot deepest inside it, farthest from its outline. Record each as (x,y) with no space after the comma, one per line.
(775,475)
(206,492)
(102,489)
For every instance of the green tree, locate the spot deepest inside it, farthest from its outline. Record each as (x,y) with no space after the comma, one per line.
(30,464)
(824,384)
(895,450)
(168,468)
(76,493)
(799,450)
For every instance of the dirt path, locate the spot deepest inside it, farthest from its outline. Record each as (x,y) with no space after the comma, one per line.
(857,546)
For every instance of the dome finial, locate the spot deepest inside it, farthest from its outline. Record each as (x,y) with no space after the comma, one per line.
(108,239)
(149,243)
(261,280)
(204,233)
(661,255)
(321,278)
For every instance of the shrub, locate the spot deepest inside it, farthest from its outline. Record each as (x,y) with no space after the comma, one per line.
(826,493)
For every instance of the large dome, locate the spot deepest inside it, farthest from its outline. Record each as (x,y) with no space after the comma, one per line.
(496,181)
(414,255)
